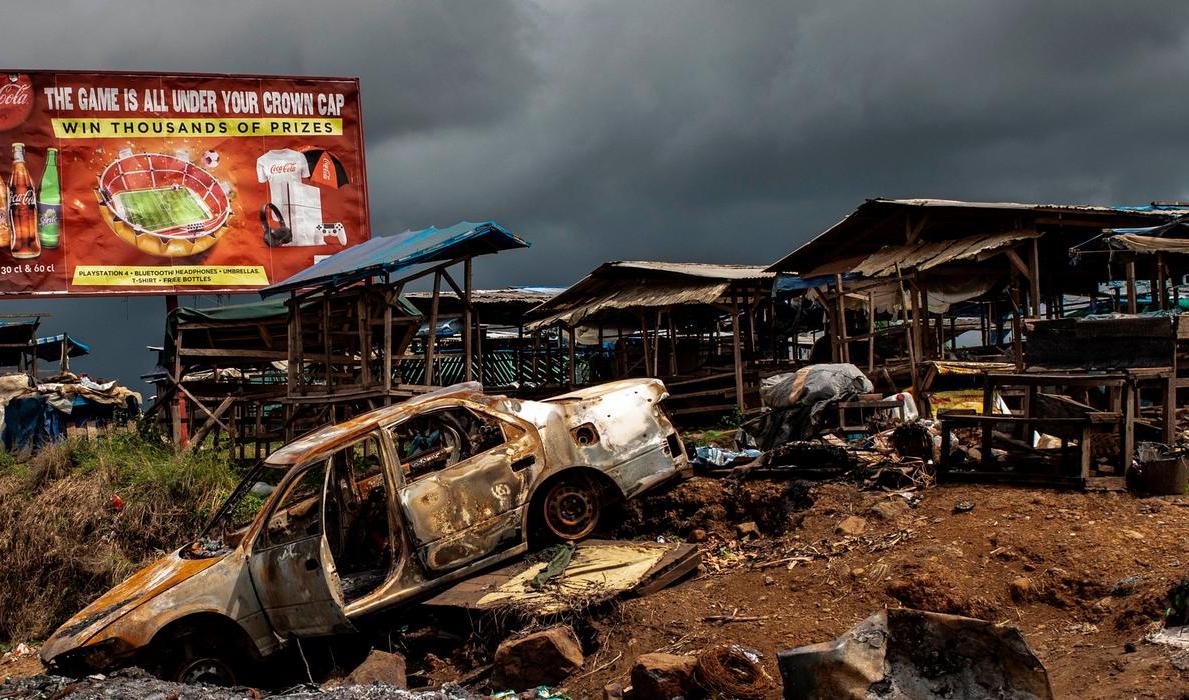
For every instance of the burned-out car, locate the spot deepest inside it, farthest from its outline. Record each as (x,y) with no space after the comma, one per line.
(380,511)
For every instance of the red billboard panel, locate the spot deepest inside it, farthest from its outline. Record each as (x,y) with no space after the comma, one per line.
(136,183)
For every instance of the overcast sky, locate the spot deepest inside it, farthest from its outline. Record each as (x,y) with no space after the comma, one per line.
(682,130)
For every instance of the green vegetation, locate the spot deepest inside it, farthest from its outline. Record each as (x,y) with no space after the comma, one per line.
(81,515)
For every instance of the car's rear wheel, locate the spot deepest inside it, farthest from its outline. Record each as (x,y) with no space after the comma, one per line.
(571,508)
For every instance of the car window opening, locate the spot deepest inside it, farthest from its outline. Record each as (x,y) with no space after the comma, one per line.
(429,443)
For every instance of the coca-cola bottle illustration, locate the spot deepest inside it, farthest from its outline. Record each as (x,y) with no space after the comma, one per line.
(22,207)
(5,228)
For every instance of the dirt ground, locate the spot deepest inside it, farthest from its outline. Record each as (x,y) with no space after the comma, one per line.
(1057,565)
(1082,575)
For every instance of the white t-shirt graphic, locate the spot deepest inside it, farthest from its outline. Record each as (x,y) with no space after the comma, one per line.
(284,170)
(281,169)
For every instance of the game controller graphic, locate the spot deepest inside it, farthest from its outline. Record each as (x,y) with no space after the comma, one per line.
(336,231)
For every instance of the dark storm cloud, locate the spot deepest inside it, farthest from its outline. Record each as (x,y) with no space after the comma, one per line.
(676,129)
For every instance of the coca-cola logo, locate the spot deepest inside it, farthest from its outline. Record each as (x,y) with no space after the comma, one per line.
(281,168)
(16,100)
(28,198)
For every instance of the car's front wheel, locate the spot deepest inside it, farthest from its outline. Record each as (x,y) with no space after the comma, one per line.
(572,507)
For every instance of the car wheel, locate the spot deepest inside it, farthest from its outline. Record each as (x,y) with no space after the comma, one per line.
(192,661)
(571,508)
(208,669)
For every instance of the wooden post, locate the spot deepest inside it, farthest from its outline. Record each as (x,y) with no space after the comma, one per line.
(738,353)
(870,332)
(571,356)
(1017,342)
(672,344)
(1034,276)
(388,340)
(1131,300)
(844,341)
(326,346)
(467,321)
(519,356)
(656,345)
(644,339)
(431,338)
(178,413)
(536,353)
(908,339)
(1160,282)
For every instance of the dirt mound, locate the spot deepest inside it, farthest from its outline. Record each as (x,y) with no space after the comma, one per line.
(716,506)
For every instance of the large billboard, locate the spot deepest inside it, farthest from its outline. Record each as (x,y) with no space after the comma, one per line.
(138,183)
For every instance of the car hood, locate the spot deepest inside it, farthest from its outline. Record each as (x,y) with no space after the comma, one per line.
(144,585)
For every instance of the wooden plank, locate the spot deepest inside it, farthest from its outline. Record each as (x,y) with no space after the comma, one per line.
(431,337)
(737,352)
(210,423)
(1132,302)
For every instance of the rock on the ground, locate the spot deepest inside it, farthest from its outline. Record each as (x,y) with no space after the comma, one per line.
(663,676)
(378,667)
(747,529)
(613,691)
(889,509)
(852,526)
(1021,590)
(540,658)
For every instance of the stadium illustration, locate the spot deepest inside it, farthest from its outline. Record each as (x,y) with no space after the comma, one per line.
(162,204)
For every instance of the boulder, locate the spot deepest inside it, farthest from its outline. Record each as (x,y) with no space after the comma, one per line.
(664,676)
(540,658)
(378,667)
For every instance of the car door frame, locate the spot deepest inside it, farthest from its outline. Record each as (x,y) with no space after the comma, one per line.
(278,593)
(485,536)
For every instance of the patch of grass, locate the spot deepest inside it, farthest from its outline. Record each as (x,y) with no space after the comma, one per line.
(64,540)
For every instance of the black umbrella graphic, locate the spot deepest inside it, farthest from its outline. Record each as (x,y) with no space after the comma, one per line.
(325,168)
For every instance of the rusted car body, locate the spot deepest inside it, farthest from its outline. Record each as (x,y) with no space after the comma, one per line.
(379,511)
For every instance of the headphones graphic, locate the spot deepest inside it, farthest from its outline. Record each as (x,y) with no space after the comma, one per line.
(278,236)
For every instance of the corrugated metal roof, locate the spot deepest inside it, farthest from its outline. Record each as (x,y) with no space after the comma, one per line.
(878,222)
(640,284)
(928,254)
(505,295)
(391,253)
(707,270)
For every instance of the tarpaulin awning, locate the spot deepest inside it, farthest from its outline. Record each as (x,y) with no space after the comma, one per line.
(50,347)
(391,253)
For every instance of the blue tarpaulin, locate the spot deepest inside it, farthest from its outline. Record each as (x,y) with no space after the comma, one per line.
(50,347)
(391,253)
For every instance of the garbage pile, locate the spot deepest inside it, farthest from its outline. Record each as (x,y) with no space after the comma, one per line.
(800,434)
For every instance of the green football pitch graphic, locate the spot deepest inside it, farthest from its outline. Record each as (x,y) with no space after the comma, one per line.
(160,209)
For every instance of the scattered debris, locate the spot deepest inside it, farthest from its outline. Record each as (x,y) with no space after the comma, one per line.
(901,653)
(733,671)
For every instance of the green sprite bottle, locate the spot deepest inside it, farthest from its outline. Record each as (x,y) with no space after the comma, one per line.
(49,209)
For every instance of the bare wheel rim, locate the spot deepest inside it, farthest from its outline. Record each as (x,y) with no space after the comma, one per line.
(572,510)
(209,670)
